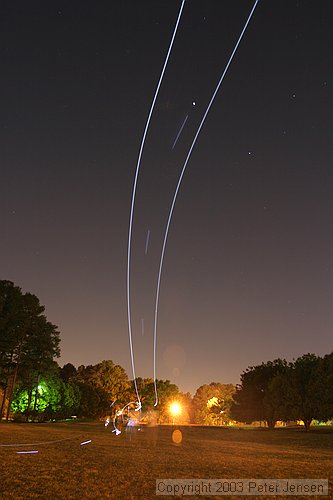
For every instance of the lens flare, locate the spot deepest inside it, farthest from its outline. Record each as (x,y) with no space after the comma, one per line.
(177,436)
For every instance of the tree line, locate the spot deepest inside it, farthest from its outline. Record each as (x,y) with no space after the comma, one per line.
(33,387)
(281,391)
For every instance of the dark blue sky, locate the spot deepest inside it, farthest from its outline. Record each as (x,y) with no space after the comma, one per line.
(248,269)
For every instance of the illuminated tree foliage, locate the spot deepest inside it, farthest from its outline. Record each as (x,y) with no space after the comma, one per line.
(211,403)
(54,399)
(28,342)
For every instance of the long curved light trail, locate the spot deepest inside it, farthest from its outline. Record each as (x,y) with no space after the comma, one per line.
(133,198)
(179,183)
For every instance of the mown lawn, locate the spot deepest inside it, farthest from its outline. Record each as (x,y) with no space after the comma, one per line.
(126,466)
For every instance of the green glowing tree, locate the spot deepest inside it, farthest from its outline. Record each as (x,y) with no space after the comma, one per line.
(55,399)
(37,361)
(28,342)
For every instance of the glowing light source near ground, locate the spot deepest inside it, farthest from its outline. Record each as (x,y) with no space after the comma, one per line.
(175,409)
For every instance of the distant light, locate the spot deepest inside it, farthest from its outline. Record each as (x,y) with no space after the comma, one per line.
(175,409)
(193,103)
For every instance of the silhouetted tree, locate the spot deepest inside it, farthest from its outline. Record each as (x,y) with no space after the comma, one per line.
(94,401)
(325,393)
(308,389)
(68,372)
(249,399)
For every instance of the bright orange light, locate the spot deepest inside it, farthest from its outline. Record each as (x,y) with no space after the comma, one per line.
(175,409)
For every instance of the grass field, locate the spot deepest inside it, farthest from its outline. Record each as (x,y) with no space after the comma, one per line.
(126,466)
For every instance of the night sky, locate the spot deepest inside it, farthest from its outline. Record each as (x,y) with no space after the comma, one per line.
(248,267)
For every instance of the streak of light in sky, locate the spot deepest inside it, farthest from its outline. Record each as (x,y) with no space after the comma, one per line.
(147,241)
(133,199)
(180,131)
(179,183)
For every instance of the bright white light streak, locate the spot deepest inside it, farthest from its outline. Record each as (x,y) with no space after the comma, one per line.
(85,442)
(179,183)
(36,444)
(133,199)
(121,412)
(180,131)
(27,452)
(147,242)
